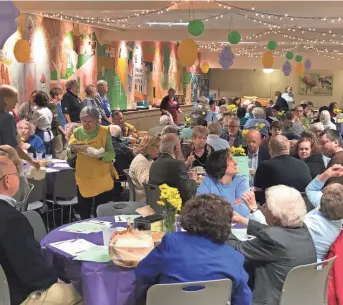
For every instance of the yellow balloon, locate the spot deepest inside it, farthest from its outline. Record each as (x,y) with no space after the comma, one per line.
(299,69)
(187,52)
(22,51)
(205,67)
(268,60)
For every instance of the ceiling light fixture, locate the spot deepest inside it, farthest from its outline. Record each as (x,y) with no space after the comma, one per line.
(268,71)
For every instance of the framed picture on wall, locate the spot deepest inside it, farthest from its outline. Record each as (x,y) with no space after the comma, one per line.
(181,99)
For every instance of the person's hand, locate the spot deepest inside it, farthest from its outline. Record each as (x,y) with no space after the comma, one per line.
(250,200)
(25,146)
(78,148)
(236,218)
(190,160)
(35,164)
(335,170)
(252,172)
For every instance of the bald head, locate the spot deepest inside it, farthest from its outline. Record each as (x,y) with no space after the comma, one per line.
(254,139)
(279,145)
(9,183)
(8,98)
(170,144)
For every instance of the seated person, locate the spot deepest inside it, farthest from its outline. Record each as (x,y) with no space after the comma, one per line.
(275,130)
(30,281)
(148,151)
(186,133)
(213,139)
(280,246)
(167,169)
(30,141)
(212,114)
(123,154)
(165,120)
(197,152)
(317,128)
(258,121)
(128,130)
(170,129)
(223,180)
(231,132)
(292,128)
(181,256)
(281,169)
(241,112)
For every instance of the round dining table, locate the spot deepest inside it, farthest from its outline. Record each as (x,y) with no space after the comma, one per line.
(98,283)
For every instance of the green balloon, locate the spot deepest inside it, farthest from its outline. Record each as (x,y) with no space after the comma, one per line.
(196,27)
(272,45)
(289,55)
(298,58)
(234,37)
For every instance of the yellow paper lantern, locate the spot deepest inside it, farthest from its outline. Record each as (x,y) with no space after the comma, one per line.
(268,60)
(187,52)
(205,67)
(299,69)
(22,51)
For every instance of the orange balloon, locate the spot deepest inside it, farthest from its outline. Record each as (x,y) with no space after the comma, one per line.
(187,52)
(205,67)
(22,51)
(299,69)
(268,60)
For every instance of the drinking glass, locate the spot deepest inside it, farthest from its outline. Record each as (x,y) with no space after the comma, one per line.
(39,156)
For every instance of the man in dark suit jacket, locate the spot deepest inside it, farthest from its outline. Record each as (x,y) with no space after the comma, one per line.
(281,169)
(171,171)
(279,247)
(20,254)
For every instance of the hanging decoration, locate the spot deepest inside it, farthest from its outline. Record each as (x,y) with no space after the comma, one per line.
(22,51)
(272,45)
(287,68)
(307,65)
(226,58)
(187,52)
(298,58)
(268,60)
(196,27)
(205,67)
(8,24)
(299,69)
(186,77)
(234,37)
(289,55)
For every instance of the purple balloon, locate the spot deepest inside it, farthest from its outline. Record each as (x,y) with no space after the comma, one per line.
(226,58)
(287,68)
(308,65)
(8,24)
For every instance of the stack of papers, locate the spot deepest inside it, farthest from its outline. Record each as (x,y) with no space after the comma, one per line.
(87,227)
(97,254)
(73,247)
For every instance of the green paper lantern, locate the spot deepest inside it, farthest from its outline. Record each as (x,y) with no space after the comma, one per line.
(234,37)
(272,45)
(289,55)
(298,58)
(196,27)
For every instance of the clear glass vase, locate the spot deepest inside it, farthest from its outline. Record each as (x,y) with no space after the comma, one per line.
(169,221)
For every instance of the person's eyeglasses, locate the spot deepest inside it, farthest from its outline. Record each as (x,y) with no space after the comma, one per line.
(14,174)
(233,126)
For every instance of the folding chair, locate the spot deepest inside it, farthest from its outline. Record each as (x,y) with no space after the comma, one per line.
(4,289)
(37,224)
(131,185)
(21,205)
(152,193)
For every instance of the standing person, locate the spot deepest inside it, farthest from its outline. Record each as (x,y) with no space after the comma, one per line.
(170,105)
(93,173)
(301,118)
(102,88)
(56,97)
(281,102)
(289,97)
(90,100)
(42,119)
(71,103)
(26,109)
(8,131)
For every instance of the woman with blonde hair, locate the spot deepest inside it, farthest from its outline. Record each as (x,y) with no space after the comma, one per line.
(149,150)
(29,140)
(325,118)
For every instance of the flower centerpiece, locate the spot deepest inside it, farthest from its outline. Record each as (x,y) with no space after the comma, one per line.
(232,108)
(280,115)
(171,201)
(245,132)
(337,111)
(237,151)
(188,121)
(260,126)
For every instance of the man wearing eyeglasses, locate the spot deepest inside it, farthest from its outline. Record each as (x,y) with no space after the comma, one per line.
(30,281)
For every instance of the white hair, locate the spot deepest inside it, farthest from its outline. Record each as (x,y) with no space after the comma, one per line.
(325,116)
(287,205)
(90,111)
(258,113)
(101,83)
(165,120)
(317,127)
(115,131)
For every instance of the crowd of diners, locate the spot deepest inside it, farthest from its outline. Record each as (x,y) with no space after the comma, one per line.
(291,202)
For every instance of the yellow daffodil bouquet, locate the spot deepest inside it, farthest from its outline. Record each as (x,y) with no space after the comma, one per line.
(237,151)
(232,108)
(245,132)
(171,202)
(188,121)
(260,126)
(337,111)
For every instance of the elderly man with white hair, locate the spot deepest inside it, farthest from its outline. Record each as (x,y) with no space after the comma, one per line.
(165,120)
(317,128)
(102,98)
(279,246)
(258,121)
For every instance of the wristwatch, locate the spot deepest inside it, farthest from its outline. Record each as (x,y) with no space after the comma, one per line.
(253,210)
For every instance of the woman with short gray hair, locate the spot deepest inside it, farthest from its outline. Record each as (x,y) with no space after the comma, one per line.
(258,121)
(94,171)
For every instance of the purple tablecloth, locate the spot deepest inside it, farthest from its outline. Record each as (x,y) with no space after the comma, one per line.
(98,283)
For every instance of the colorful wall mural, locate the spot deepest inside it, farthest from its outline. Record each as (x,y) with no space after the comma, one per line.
(135,70)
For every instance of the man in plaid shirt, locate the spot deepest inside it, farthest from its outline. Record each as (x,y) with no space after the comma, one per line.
(128,130)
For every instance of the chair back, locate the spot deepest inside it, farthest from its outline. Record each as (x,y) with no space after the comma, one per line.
(307,284)
(194,293)
(4,289)
(21,205)
(131,185)
(37,224)
(37,193)
(65,184)
(152,194)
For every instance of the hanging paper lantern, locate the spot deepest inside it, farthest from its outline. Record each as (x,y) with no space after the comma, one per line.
(8,24)
(287,68)
(268,60)
(187,52)
(299,69)
(234,37)
(196,27)
(308,65)
(298,58)
(22,51)
(205,67)
(226,58)
(289,55)
(272,45)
